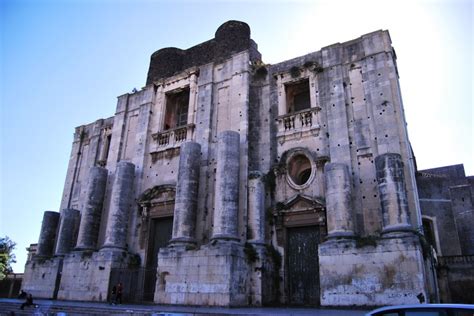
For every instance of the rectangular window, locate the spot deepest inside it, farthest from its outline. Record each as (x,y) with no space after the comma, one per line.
(297,96)
(177,103)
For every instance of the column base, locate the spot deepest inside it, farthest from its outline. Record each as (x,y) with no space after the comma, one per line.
(398,230)
(341,235)
(224,237)
(112,248)
(187,242)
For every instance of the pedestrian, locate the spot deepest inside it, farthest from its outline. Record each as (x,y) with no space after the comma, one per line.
(28,302)
(119,293)
(113,296)
(22,294)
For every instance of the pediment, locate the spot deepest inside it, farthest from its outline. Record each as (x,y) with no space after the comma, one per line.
(157,194)
(303,202)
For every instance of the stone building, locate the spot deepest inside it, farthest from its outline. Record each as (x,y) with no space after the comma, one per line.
(229,182)
(446,200)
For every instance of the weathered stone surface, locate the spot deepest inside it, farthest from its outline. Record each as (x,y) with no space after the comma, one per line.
(92,213)
(392,190)
(338,201)
(388,273)
(256,214)
(227,187)
(67,234)
(86,275)
(117,222)
(184,222)
(40,278)
(215,276)
(47,236)
(230,38)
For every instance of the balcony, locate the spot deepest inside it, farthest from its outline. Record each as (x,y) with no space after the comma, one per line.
(171,138)
(300,123)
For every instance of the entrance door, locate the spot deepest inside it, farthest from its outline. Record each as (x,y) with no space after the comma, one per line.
(303,265)
(159,236)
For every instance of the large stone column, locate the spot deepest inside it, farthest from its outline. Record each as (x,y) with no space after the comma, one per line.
(338,200)
(392,192)
(117,221)
(256,211)
(47,234)
(185,207)
(227,187)
(69,221)
(92,213)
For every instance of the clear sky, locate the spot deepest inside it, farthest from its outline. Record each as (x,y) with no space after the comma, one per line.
(63,63)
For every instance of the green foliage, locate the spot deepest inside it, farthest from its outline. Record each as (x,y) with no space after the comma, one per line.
(425,245)
(295,72)
(6,256)
(362,242)
(259,69)
(270,181)
(86,255)
(250,253)
(134,260)
(275,255)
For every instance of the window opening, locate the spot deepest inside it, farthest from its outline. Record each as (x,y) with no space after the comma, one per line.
(297,96)
(177,103)
(299,169)
(429,231)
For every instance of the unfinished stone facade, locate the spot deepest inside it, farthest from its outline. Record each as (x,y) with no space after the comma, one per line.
(228,182)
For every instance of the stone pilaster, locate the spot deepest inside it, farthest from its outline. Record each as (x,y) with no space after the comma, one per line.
(184,222)
(256,212)
(392,192)
(338,200)
(227,187)
(92,213)
(47,234)
(117,221)
(69,221)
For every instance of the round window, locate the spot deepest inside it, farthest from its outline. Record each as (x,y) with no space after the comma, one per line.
(299,169)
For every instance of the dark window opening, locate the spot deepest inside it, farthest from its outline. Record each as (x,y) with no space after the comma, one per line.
(107,147)
(297,96)
(299,169)
(177,103)
(429,232)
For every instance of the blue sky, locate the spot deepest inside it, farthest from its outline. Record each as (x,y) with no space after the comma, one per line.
(63,63)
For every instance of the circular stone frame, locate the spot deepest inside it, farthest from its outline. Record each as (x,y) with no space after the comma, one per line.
(300,169)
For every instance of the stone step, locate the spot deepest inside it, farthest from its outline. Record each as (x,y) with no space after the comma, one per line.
(13,308)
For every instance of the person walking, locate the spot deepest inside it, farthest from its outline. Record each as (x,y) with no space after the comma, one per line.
(113,295)
(28,302)
(118,299)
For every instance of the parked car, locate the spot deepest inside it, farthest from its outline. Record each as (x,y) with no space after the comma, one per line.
(425,310)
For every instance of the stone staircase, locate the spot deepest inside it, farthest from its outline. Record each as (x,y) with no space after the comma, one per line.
(12,307)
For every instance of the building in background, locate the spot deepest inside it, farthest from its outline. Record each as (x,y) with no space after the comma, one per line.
(448,222)
(228,182)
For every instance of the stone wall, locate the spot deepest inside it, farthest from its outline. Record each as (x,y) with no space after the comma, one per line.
(215,275)
(456,279)
(367,272)
(446,202)
(41,277)
(86,275)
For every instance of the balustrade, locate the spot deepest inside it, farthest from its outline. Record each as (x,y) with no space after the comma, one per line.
(297,121)
(173,137)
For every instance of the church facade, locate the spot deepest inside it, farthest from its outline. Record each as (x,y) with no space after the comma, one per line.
(229,182)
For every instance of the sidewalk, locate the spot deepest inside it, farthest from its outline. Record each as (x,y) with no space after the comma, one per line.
(69,308)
